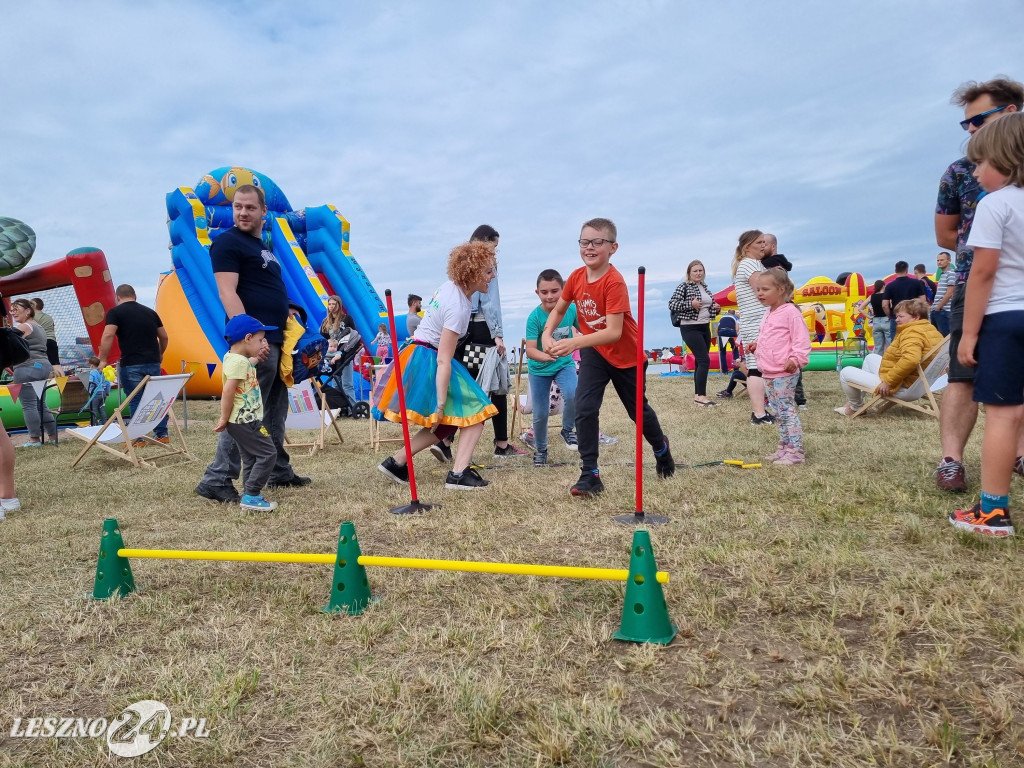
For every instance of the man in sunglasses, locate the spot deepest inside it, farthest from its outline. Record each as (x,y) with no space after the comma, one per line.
(959,193)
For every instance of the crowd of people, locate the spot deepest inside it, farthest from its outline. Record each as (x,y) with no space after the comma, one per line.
(582,337)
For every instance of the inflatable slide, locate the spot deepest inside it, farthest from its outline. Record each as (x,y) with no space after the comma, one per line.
(311,245)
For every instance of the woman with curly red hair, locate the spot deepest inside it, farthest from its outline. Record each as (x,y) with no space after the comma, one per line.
(440,394)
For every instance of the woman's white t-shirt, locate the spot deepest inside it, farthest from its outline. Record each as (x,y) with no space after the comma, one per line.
(751,310)
(449,309)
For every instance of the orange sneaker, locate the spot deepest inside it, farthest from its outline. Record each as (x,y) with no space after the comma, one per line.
(165,440)
(994,523)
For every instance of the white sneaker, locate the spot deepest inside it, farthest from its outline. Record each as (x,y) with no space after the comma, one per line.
(3,515)
(10,505)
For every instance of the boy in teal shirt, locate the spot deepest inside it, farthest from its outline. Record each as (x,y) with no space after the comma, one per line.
(545,369)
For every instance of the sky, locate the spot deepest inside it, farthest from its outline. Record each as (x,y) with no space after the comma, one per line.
(686,123)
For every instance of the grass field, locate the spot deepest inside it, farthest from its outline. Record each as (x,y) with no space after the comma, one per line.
(828,613)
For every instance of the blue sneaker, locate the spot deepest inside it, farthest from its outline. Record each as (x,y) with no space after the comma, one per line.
(257,503)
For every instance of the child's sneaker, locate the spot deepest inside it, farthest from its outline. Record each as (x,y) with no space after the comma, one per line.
(589,484)
(540,458)
(527,439)
(665,465)
(790,457)
(571,442)
(508,450)
(604,439)
(397,472)
(779,452)
(257,503)
(994,523)
(10,505)
(442,452)
(469,480)
(31,444)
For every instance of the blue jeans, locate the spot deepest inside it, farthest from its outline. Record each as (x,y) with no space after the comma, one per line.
(540,393)
(941,322)
(347,385)
(130,376)
(227,463)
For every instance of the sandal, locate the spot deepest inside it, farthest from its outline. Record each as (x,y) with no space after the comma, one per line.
(706,403)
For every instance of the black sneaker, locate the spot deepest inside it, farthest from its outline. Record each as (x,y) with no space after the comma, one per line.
(766,419)
(469,480)
(225,494)
(589,484)
(295,481)
(442,452)
(665,464)
(540,458)
(508,450)
(397,472)
(725,394)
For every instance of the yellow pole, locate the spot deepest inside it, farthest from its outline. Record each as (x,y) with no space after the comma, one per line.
(514,569)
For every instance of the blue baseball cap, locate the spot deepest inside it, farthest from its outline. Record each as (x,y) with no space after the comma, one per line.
(240,326)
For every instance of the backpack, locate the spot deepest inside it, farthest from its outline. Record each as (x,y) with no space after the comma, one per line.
(13,347)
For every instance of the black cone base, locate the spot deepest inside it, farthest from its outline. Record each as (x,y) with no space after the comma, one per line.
(641,519)
(414,508)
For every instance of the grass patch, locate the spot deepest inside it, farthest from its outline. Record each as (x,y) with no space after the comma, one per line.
(828,613)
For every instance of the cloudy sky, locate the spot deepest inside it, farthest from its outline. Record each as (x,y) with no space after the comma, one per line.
(687,123)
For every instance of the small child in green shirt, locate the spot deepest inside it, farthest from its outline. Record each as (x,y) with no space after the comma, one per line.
(241,410)
(546,370)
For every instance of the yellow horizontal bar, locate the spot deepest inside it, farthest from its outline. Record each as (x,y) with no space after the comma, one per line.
(249,557)
(514,569)
(470,566)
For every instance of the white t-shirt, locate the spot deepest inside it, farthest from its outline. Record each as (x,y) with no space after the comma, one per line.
(751,310)
(999,223)
(447,308)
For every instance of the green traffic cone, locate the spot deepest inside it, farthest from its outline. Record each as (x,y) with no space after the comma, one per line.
(644,613)
(113,573)
(350,591)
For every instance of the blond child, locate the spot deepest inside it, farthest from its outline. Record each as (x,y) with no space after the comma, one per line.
(241,411)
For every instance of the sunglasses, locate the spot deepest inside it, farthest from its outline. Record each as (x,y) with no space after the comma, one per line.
(978,120)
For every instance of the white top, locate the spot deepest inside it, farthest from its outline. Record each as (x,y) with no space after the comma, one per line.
(999,223)
(751,310)
(447,308)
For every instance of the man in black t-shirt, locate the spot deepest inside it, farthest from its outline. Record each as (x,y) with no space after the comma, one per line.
(142,338)
(249,282)
(901,288)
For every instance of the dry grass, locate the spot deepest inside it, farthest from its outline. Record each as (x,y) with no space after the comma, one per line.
(828,614)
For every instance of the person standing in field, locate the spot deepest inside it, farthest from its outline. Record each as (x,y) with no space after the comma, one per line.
(958,197)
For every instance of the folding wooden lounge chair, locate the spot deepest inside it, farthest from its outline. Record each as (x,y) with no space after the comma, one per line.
(304,413)
(922,388)
(116,436)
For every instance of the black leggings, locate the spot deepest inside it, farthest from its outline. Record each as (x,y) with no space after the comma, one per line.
(697,339)
(479,333)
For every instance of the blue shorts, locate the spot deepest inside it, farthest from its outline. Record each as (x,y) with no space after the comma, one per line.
(999,376)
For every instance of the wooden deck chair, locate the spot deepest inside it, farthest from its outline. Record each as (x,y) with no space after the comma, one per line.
(922,388)
(116,436)
(304,413)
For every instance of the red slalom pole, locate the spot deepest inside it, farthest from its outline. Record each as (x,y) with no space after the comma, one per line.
(415,506)
(638,517)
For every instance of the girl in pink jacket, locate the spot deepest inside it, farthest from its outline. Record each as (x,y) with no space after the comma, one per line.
(783,347)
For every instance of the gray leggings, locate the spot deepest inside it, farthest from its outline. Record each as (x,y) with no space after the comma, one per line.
(24,374)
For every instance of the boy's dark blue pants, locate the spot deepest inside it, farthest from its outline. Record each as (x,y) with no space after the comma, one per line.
(594,374)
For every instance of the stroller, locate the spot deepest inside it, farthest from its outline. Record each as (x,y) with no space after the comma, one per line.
(329,375)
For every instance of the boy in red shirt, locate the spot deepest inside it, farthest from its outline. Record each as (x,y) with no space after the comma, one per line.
(607,351)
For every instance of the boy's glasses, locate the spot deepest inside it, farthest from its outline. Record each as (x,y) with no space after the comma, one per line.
(978,120)
(597,242)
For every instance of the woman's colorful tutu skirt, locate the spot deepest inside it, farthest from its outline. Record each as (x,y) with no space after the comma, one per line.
(467,404)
